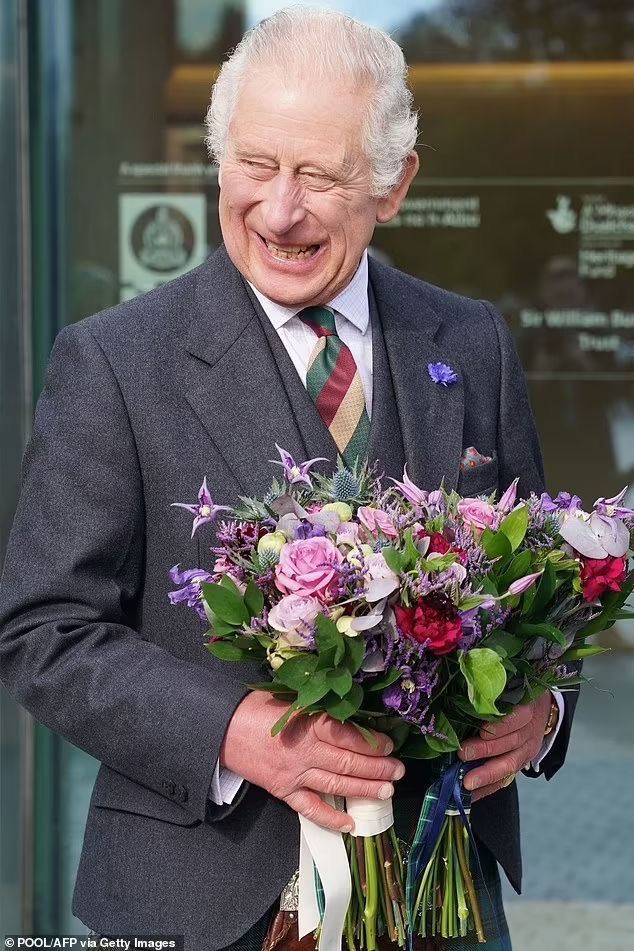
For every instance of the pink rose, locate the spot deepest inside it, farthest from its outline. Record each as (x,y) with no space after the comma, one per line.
(376,521)
(293,613)
(308,567)
(478,513)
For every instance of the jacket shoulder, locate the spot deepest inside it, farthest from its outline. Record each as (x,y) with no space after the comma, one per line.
(453,309)
(147,321)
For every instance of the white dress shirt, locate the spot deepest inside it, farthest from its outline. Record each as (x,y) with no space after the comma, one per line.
(352,321)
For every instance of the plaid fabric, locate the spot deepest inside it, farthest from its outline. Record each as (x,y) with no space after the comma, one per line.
(407,810)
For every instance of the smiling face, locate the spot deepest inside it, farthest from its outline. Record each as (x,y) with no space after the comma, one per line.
(295,207)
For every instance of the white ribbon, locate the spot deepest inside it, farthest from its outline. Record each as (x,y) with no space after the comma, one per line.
(325,848)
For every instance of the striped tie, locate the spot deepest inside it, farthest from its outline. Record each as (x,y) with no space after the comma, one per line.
(333,381)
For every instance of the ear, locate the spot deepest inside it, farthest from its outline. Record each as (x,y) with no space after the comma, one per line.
(388,206)
(220,175)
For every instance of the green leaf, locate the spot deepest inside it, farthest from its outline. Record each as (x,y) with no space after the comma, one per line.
(342,708)
(225,650)
(411,554)
(268,686)
(547,631)
(495,544)
(254,599)
(313,689)
(220,628)
(504,640)
(417,747)
(485,676)
(520,567)
(399,734)
(226,603)
(447,745)
(295,671)
(391,677)
(330,643)
(279,725)
(473,601)
(545,589)
(463,704)
(354,653)
(339,680)
(367,735)
(393,559)
(514,526)
(576,653)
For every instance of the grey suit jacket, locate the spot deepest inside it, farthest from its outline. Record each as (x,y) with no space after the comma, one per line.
(140,402)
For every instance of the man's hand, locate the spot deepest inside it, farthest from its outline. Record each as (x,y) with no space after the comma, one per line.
(312,755)
(508,745)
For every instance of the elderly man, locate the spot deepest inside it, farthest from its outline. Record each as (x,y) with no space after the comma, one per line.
(193,827)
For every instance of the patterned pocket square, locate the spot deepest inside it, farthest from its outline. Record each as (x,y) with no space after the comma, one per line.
(471,459)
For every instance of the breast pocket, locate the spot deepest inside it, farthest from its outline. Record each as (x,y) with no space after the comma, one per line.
(113,790)
(480,480)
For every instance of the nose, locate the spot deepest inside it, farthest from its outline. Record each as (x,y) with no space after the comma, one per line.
(283,204)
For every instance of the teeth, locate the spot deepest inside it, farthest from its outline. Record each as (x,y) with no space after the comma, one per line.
(292,253)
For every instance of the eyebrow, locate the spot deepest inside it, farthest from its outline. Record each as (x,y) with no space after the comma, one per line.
(242,151)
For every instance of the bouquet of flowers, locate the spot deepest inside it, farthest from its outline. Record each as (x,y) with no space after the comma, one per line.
(417,613)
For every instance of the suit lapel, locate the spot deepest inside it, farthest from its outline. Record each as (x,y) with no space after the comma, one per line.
(233,384)
(245,390)
(431,415)
(385,443)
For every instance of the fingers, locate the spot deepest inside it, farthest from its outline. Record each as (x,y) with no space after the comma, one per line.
(487,791)
(520,717)
(349,738)
(325,782)
(485,748)
(346,763)
(495,770)
(311,806)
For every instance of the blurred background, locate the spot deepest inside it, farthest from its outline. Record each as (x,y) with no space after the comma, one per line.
(525,197)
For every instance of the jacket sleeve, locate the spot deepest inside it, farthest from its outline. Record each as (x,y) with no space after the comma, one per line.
(73,576)
(519,453)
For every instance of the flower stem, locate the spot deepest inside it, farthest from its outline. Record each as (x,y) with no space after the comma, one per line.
(371,893)
(384,873)
(361,860)
(468,881)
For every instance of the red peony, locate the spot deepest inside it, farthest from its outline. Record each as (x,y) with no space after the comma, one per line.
(427,622)
(438,543)
(600,574)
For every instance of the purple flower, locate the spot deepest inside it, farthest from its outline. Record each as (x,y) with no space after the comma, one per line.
(523,584)
(613,507)
(564,500)
(191,592)
(411,492)
(507,501)
(442,373)
(294,472)
(204,510)
(306,529)
(410,694)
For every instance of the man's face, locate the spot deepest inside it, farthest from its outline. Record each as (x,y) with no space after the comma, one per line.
(295,206)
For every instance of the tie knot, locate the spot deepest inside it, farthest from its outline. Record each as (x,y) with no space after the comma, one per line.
(319,319)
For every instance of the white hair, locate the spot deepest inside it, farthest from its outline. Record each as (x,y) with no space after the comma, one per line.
(318,43)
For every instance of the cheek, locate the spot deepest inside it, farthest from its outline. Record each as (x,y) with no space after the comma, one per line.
(237,195)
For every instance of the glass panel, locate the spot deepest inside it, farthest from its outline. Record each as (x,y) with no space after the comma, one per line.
(13,730)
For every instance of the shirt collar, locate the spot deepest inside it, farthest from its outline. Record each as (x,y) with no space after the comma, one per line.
(351,302)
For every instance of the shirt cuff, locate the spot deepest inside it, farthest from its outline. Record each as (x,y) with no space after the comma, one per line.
(552,736)
(224,785)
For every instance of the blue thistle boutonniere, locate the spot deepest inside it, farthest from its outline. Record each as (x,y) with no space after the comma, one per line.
(442,373)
